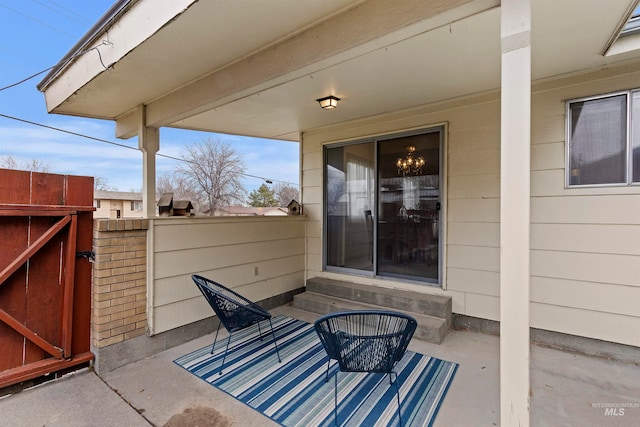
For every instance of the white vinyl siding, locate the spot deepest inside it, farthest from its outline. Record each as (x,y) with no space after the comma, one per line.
(472,146)
(585,261)
(258,257)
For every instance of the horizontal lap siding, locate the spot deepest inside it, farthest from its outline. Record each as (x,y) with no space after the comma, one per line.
(225,232)
(585,259)
(239,277)
(207,258)
(602,297)
(621,209)
(473,216)
(605,326)
(473,204)
(227,250)
(485,186)
(312,184)
(184,310)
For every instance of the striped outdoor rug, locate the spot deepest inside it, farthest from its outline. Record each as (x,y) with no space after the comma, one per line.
(294,392)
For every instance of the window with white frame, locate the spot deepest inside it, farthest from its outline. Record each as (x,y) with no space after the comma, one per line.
(604,140)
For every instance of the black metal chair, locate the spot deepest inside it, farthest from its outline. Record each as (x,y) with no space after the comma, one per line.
(365,341)
(234,311)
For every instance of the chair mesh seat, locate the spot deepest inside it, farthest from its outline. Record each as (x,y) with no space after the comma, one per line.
(367,354)
(365,341)
(234,311)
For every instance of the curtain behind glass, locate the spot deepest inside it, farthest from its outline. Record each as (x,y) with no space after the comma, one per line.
(350,198)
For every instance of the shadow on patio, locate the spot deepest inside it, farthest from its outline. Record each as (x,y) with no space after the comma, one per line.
(567,390)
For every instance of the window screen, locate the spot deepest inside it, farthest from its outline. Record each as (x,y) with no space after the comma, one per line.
(598,141)
(635,137)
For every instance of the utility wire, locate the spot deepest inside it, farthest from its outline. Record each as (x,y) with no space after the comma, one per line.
(84,18)
(67,131)
(59,12)
(104,43)
(36,20)
(25,79)
(166,156)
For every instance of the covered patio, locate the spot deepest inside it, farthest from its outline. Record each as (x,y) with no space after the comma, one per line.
(491,83)
(568,389)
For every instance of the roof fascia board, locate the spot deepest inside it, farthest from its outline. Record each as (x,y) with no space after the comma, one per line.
(615,36)
(114,12)
(344,37)
(124,33)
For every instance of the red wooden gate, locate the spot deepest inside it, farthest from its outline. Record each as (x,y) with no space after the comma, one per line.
(45,287)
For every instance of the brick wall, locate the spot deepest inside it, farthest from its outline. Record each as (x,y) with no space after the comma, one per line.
(119,280)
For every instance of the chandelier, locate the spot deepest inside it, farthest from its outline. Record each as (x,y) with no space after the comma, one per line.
(410,164)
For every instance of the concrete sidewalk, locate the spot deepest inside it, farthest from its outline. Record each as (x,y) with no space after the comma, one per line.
(567,390)
(77,399)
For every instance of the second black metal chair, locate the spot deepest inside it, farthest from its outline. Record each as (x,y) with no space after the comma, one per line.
(234,311)
(365,341)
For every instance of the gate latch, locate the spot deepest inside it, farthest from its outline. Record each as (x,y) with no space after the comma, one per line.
(90,255)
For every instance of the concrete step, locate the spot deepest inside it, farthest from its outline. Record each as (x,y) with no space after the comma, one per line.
(393,299)
(430,328)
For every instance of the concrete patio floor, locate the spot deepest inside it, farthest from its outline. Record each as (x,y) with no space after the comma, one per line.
(567,390)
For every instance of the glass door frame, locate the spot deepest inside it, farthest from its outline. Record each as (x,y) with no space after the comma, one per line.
(441,129)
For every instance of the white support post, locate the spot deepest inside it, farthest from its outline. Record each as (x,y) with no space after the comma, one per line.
(515,195)
(149,144)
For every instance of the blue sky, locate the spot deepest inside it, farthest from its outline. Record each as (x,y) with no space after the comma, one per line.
(34,35)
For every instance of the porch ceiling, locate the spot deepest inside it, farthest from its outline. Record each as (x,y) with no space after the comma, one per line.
(256,69)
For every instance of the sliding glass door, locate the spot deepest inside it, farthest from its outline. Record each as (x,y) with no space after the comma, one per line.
(382,212)
(408,208)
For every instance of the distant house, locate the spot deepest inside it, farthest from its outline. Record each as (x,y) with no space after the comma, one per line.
(117,204)
(250,211)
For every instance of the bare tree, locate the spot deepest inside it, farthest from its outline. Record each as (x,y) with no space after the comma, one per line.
(101,183)
(165,184)
(214,168)
(33,165)
(8,162)
(181,188)
(285,193)
(36,165)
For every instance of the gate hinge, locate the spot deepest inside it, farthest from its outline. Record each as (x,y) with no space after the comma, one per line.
(90,255)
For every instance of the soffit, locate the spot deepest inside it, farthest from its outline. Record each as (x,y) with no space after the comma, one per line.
(439,64)
(447,61)
(455,60)
(181,46)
